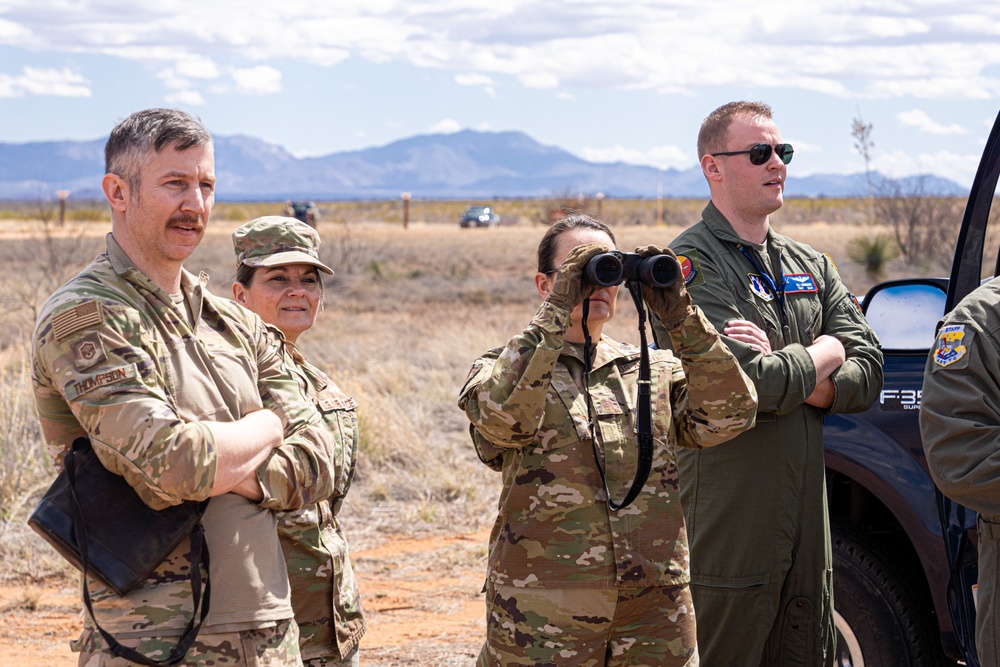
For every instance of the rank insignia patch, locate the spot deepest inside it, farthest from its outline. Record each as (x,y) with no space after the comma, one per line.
(88,351)
(950,346)
(759,287)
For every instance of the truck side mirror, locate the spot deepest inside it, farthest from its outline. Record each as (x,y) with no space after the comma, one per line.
(905,313)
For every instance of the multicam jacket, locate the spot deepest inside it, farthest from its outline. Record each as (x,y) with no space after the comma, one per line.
(115,359)
(554,528)
(325,593)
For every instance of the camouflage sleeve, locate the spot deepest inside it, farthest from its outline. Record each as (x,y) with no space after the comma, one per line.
(94,369)
(301,471)
(785,378)
(714,400)
(858,381)
(960,416)
(504,397)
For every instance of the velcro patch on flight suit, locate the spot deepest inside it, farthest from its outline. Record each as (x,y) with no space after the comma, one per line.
(759,287)
(88,351)
(84,316)
(799,283)
(951,349)
(102,379)
(691,268)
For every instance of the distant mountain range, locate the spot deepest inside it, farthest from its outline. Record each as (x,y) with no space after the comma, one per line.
(461,165)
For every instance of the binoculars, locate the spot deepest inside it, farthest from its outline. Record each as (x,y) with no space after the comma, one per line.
(612,268)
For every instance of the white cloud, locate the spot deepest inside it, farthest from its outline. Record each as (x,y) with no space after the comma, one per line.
(260,80)
(446,126)
(188,97)
(473,80)
(657,156)
(477,80)
(920,120)
(947,164)
(49,82)
(844,48)
(804,147)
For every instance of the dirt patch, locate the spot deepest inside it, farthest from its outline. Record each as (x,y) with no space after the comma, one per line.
(421,595)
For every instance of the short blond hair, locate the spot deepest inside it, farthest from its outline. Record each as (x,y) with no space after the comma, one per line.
(715,127)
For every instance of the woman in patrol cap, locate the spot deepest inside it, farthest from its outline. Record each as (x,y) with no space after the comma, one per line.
(576,573)
(278,277)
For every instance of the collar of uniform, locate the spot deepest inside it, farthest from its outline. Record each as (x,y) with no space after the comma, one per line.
(722,229)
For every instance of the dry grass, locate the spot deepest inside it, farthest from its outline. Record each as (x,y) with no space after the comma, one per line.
(406,313)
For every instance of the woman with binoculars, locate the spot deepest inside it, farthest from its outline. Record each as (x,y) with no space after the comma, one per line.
(576,575)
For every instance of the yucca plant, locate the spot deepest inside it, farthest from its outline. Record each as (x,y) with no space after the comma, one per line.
(874,253)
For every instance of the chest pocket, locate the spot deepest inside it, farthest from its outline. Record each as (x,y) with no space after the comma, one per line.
(340,415)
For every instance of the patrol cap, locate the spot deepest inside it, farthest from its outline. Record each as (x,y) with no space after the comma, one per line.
(274,240)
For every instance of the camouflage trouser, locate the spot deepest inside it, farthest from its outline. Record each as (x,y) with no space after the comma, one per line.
(277,646)
(539,626)
(349,661)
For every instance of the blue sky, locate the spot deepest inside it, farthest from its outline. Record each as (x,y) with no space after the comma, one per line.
(604,80)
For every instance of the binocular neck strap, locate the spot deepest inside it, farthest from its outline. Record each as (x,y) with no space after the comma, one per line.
(644,414)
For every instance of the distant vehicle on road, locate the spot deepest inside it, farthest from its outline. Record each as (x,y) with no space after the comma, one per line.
(305,211)
(479,216)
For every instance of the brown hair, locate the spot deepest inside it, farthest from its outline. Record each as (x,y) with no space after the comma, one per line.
(547,246)
(715,127)
(245,274)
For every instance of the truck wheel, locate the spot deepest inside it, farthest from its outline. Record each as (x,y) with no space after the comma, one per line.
(880,612)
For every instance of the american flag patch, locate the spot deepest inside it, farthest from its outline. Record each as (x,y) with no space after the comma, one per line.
(74,319)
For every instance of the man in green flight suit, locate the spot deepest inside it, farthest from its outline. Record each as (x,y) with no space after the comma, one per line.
(755,507)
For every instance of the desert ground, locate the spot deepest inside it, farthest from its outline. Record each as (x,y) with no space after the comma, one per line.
(405,314)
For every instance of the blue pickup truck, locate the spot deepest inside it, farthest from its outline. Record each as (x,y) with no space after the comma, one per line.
(905,558)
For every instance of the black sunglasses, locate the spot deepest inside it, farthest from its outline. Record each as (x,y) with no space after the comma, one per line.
(761,153)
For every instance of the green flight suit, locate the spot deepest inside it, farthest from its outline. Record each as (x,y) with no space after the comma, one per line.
(960,429)
(755,507)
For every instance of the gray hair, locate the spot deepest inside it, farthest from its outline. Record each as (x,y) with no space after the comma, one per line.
(134,140)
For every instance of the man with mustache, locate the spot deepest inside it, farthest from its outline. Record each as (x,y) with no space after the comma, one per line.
(755,507)
(185,395)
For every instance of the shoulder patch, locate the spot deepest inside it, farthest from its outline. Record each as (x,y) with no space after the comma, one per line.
(88,351)
(832,263)
(84,316)
(951,347)
(691,267)
(102,379)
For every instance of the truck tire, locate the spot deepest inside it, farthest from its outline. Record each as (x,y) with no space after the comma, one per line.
(880,614)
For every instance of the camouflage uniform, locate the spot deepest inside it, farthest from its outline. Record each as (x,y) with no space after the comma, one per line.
(325,594)
(960,429)
(761,566)
(114,358)
(562,565)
